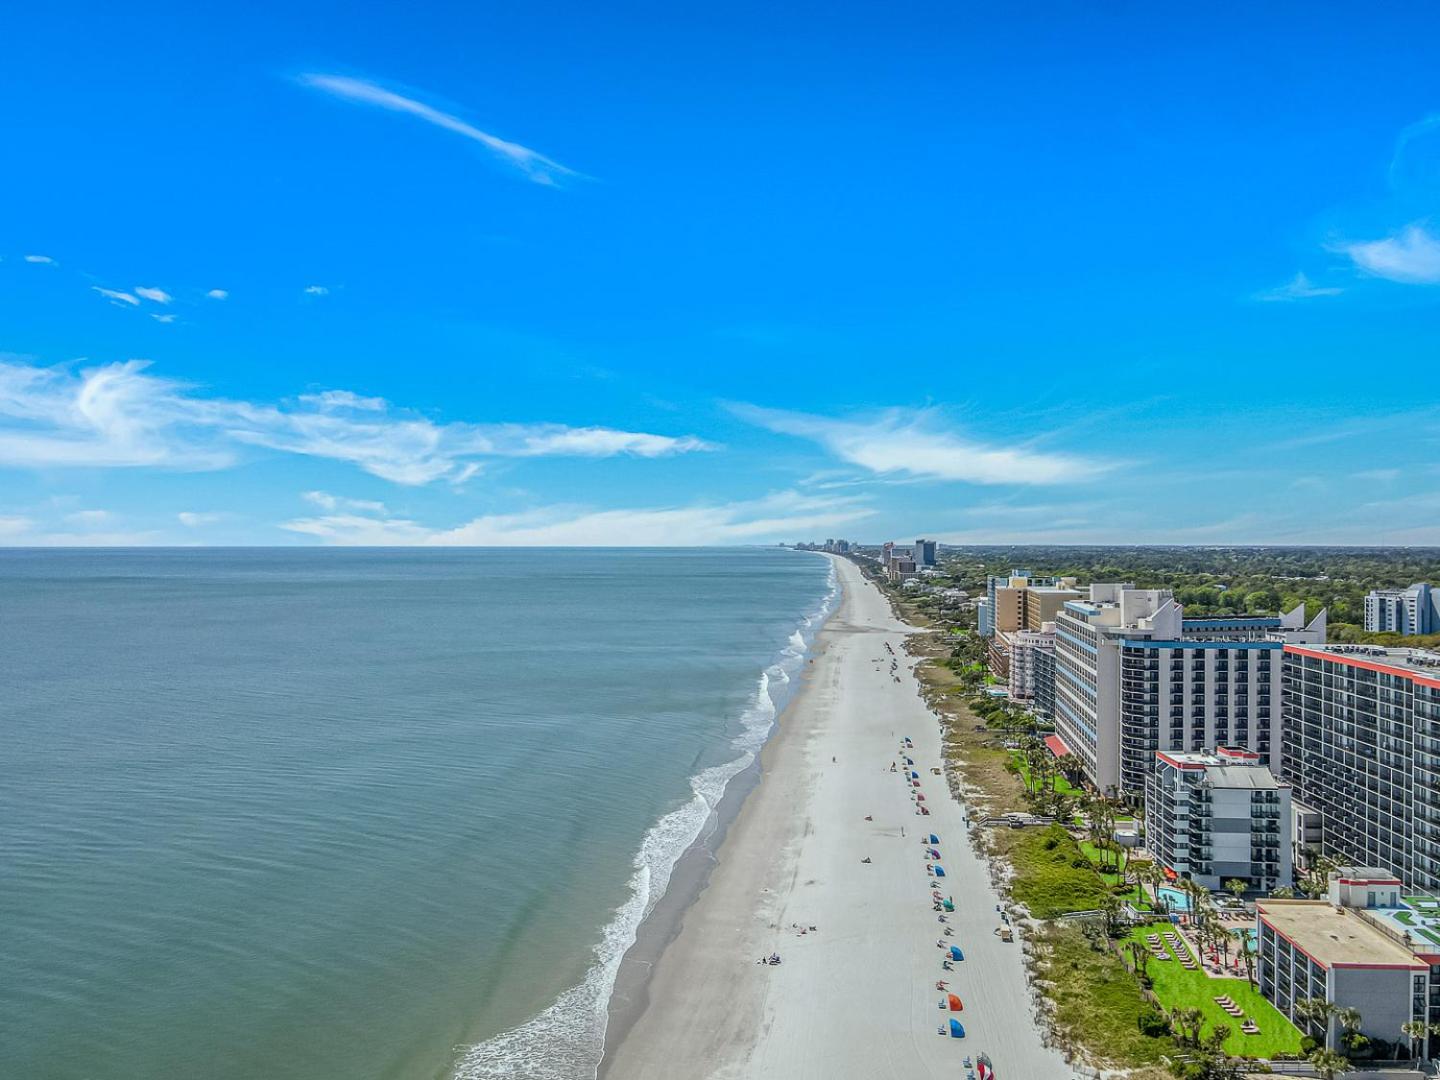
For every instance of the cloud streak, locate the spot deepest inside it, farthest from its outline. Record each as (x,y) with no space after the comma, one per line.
(122,415)
(117,297)
(899,444)
(536,166)
(1300,288)
(780,515)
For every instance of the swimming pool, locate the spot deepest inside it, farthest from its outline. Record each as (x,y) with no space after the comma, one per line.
(1174,899)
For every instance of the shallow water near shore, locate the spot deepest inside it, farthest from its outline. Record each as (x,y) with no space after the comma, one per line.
(360,814)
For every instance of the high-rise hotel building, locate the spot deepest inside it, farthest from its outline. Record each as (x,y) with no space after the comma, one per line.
(1362,749)
(1134,676)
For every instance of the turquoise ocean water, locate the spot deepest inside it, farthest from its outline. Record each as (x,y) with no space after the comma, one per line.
(340,815)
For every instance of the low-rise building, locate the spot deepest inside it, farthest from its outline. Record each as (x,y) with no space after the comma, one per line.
(1339,950)
(1219,817)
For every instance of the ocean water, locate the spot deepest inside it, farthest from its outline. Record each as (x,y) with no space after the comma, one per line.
(339,815)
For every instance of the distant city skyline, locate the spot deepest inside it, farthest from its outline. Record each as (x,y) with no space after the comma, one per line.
(568,275)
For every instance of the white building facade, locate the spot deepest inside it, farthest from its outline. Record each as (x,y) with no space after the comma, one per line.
(1219,817)
(1415,610)
(1134,676)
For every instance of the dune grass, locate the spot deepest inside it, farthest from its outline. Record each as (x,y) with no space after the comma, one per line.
(1052,875)
(1097,1000)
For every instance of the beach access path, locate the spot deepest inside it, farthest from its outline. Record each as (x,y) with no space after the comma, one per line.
(856,999)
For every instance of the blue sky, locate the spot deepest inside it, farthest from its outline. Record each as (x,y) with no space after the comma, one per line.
(563,273)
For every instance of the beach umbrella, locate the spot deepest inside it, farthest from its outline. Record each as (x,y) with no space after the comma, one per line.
(914,783)
(955,953)
(914,776)
(957,1029)
(949,905)
(934,853)
(939,871)
(984,1071)
(955,1005)
(934,839)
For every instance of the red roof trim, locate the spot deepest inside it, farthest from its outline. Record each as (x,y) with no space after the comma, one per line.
(1057,745)
(1419,964)
(1368,665)
(1177,764)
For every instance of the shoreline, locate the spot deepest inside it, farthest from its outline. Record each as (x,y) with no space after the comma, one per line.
(690,876)
(856,999)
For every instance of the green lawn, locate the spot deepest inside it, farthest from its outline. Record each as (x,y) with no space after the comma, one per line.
(1175,986)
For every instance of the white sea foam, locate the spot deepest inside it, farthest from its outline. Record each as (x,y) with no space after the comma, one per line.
(565,1041)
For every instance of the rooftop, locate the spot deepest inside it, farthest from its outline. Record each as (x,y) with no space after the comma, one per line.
(1335,937)
(1397,660)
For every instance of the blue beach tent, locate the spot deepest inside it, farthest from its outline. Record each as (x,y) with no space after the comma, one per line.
(955,953)
(957,1029)
(939,871)
(914,776)
(934,839)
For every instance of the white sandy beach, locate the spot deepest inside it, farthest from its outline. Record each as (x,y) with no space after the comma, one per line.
(857,999)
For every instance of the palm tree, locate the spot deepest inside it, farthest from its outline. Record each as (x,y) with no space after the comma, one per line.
(1316,1012)
(1418,1031)
(1349,1021)
(1328,1063)
(1140,958)
(1247,954)
(1236,887)
(1285,892)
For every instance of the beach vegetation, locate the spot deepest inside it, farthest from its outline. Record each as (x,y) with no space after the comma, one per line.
(1053,876)
(1096,1004)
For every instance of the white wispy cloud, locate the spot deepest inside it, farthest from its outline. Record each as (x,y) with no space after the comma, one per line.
(900,443)
(163,318)
(536,166)
(1299,288)
(1411,256)
(159,296)
(345,399)
(195,519)
(1377,476)
(316,290)
(116,296)
(43,259)
(14,525)
(123,415)
(88,517)
(218,294)
(781,515)
(326,501)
